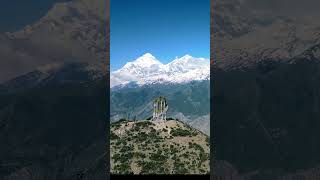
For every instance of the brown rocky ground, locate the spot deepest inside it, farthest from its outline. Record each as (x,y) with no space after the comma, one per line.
(149,147)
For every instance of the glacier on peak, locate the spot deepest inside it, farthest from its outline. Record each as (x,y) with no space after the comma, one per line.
(149,70)
(146,60)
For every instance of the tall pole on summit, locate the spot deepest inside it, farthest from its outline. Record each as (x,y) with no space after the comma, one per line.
(154,110)
(160,108)
(163,107)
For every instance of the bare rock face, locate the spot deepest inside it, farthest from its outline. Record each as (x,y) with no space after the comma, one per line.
(158,147)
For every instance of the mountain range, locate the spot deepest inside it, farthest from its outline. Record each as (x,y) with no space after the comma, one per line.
(266,91)
(184,82)
(53,89)
(148,70)
(73,31)
(245,37)
(264,104)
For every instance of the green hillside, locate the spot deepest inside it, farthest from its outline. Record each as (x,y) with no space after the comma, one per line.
(164,147)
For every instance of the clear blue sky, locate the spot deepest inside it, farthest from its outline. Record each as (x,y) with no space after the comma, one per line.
(164,28)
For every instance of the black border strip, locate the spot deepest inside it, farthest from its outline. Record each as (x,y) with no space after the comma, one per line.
(166,177)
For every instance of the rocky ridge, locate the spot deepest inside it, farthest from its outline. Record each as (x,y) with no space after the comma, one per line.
(158,147)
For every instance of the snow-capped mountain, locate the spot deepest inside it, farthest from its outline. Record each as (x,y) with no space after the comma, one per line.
(148,70)
(73,31)
(245,37)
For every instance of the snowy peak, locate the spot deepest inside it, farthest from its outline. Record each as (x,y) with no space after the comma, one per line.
(146,60)
(147,56)
(189,59)
(148,70)
(187,63)
(183,58)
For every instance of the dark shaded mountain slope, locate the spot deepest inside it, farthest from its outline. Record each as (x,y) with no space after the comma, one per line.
(56,130)
(267,117)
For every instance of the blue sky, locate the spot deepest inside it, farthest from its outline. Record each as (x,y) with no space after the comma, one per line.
(15,14)
(164,28)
